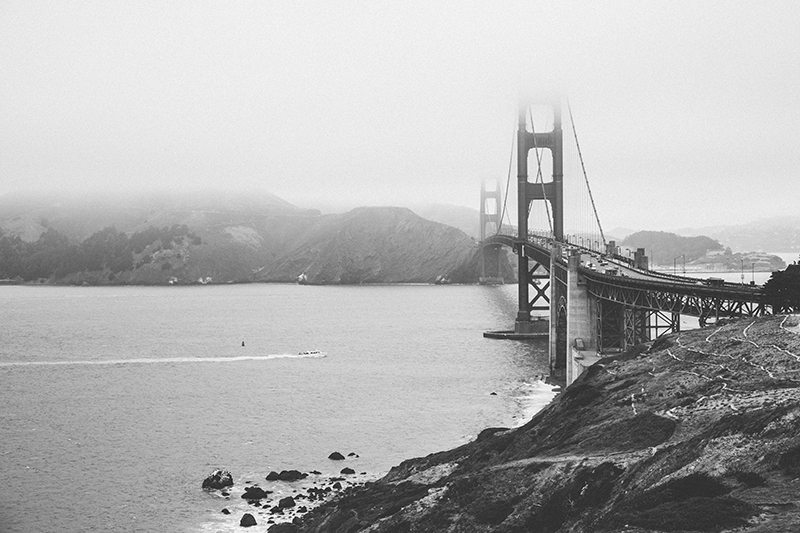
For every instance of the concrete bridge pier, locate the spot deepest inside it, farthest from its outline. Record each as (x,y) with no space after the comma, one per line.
(491,273)
(579,345)
(559,316)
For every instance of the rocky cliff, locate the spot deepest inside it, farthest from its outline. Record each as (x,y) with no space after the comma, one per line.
(698,431)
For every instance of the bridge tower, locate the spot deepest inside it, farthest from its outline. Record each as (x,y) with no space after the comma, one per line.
(491,222)
(550,295)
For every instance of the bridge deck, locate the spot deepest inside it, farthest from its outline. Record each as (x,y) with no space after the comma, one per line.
(629,277)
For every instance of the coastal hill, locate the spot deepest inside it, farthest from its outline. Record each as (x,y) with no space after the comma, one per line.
(466,219)
(697,431)
(699,252)
(663,246)
(774,234)
(373,245)
(222,238)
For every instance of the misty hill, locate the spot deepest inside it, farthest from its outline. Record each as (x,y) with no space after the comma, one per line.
(373,244)
(776,234)
(663,247)
(466,219)
(620,233)
(223,238)
(29,215)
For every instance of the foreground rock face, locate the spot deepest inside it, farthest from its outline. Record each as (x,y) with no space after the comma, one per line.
(698,432)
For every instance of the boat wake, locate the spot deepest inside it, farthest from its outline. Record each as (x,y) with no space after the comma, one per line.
(168,360)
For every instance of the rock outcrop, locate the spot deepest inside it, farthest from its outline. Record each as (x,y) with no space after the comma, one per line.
(291,475)
(698,431)
(218,479)
(247,520)
(286,502)
(255,493)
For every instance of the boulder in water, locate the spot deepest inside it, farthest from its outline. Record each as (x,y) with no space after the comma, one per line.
(347,471)
(218,479)
(336,456)
(273,476)
(247,520)
(226,511)
(286,502)
(255,493)
(290,475)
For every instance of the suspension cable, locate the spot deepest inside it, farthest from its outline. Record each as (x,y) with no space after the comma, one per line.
(583,168)
(539,178)
(508,181)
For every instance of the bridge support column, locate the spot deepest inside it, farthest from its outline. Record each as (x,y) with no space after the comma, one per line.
(610,326)
(559,317)
(491,222)
(581,347)
(636,327)
(527,192)
(491,273)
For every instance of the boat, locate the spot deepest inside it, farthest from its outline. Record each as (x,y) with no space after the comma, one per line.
(311,352)
(302,279)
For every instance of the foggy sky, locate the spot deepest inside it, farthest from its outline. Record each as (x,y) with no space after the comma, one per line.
(687,112)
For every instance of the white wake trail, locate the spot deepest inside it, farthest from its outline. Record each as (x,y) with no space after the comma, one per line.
(165,360)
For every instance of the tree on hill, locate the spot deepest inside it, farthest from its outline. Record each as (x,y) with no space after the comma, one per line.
(53,256)
(782,290)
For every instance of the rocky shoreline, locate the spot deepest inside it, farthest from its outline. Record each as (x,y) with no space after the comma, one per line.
(288,495)
(698,431)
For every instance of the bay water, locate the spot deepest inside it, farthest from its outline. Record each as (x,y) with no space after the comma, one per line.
(116,402)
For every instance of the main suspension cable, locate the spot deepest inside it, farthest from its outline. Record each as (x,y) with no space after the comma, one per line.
(583,168)
(508,180)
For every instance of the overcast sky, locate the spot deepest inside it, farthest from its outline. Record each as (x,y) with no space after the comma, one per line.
(688,113)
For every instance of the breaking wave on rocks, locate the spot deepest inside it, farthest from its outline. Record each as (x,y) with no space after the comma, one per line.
(532,397)
(156,360)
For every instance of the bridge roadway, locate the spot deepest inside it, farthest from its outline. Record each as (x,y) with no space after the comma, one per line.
(644,289)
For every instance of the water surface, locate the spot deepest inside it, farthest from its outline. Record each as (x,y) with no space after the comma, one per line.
(118,400)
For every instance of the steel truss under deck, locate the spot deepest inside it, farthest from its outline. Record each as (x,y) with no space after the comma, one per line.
(643,310)
(702,304)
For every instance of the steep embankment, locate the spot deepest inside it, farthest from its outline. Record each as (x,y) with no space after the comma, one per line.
(698,433)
